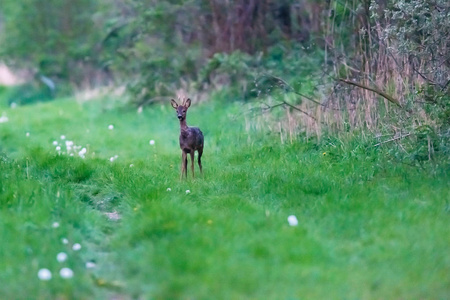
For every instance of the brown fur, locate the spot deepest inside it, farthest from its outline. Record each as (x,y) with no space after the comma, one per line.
(191,138)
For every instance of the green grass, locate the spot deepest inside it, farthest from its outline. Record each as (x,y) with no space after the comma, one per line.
(369,228)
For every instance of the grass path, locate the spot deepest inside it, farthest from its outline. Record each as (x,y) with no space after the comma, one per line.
(368,228)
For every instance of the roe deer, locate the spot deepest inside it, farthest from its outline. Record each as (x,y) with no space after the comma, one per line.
(191,138)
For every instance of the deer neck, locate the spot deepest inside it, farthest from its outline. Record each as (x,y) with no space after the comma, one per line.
(183,125)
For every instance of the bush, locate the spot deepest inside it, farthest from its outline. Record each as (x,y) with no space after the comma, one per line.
(58,38)
(29,93)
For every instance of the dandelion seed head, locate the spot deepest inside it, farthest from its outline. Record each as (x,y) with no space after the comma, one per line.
(82,152)
(44,274)
(292,220)
(61,257)
(66,273)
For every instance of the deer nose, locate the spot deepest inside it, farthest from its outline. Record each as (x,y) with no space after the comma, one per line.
(179,117)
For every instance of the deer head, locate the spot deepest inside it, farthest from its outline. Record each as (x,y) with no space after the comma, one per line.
(181,109)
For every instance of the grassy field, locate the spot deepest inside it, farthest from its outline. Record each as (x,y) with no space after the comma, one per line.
(368,227)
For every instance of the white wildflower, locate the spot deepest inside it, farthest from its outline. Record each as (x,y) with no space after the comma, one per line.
(152,142)
(82,152)
(44,274)
(55,225)
(90,265)
(55,143)
(111,159)
(168,189)
(63,137)
(64,241)
(131,165)
(27,134)
(69,145)
(292,220)
(4,119)
(188,192)
(66,273)
(61,257)
(76,247)
(111,127)
(58,148)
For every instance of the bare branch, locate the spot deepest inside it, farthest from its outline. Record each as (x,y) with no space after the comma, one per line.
(381,93)
(284,103)
(294,91)
(298,109)
(394,139)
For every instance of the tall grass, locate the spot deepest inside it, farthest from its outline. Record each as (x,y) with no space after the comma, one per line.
(380,74)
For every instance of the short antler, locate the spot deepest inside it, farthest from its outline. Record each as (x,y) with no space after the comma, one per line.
(186,102)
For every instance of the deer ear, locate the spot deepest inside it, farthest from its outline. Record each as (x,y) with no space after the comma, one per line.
(188,103)
(174,104)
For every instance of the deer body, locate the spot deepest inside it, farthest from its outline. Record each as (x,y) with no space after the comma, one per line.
(191,138)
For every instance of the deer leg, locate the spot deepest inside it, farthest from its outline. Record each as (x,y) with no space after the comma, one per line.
(200,152)
(192,162)
(183,164)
